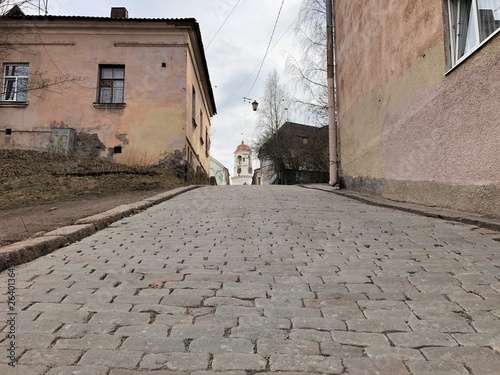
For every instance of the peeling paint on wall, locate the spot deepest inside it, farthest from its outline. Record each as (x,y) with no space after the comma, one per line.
(88,145)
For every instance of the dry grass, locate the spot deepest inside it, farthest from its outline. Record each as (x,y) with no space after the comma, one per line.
(31,177)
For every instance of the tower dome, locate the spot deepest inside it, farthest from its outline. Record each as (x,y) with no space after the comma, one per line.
(242,147)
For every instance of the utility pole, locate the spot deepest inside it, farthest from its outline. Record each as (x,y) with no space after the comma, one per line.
(331,95)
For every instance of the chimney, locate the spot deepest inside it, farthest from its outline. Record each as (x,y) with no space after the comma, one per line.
(119,12)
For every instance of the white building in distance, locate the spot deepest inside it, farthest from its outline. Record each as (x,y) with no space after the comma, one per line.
(242,165)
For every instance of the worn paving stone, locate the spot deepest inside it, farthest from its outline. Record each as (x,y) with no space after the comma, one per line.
(441,325)
(264,322)
(111,358)
(237,361)
(420,339)
(150,330)
(371,366)
(23,369)
(50,357)
(460,354)
(436,368)
(31,341)
(250,333)
(79,370)
(153,344)
(38,327)
(196,331)
(320,324)
(479,339)
(79,329)
(266,347)
(305,363)
(337,350)
(224,345)
(487,367)
(176,361)
(309,335)
(402,354)
(377,325)
(120,318)
(360,338)
(88,342)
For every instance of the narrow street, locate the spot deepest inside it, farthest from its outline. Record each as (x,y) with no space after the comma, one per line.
(261,279)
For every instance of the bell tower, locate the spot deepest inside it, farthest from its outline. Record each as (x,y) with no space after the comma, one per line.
(243,172)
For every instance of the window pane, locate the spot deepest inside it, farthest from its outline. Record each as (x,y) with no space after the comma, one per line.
(22,89)
(9,89)
(489,17)
(117,84)
(106,83)
(105,95)
(21,70)
(107,73)
(118,73)
(118,96)
(9,70)
(467,28)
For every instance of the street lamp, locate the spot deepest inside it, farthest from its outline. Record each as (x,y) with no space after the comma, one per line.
(255,104)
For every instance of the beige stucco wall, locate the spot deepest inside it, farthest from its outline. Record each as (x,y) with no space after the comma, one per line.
(408,131)
(154,122)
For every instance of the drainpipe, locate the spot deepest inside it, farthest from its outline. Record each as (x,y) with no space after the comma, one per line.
(331,95)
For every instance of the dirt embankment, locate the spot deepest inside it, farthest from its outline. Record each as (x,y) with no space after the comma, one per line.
(40,192)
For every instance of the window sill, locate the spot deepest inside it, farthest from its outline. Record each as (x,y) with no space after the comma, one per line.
(109,105)
(12,104)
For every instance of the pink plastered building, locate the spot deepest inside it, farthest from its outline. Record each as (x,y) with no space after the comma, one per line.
(418,107)
(136,91)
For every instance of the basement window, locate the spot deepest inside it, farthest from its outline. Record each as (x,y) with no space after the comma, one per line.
(15,82)
(472,23)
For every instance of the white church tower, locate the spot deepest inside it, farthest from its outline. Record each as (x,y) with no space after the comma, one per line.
(242,165)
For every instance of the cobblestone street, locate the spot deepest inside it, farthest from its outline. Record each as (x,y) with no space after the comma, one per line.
(261,279)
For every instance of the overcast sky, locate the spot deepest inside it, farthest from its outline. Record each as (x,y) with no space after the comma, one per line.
(233,54)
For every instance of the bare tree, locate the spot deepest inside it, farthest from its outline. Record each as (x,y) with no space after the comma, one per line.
(272,110)
(272,114)
(289,152)
(309,70)
(36,6)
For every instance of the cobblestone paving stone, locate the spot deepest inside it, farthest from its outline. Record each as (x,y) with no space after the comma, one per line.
(262,279)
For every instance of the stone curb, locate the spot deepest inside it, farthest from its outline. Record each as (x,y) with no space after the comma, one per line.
(28,250)
(438,213)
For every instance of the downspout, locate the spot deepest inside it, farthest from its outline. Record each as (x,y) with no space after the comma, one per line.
(332,128)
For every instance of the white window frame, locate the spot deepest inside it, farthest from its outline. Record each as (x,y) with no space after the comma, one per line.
(15,80)
(455,37)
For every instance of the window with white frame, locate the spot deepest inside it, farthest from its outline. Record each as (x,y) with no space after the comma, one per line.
(15,82)
(111,84)
(472,22)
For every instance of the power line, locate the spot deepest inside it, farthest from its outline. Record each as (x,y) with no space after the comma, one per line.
(223,23)
(268,45)
(246,79)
